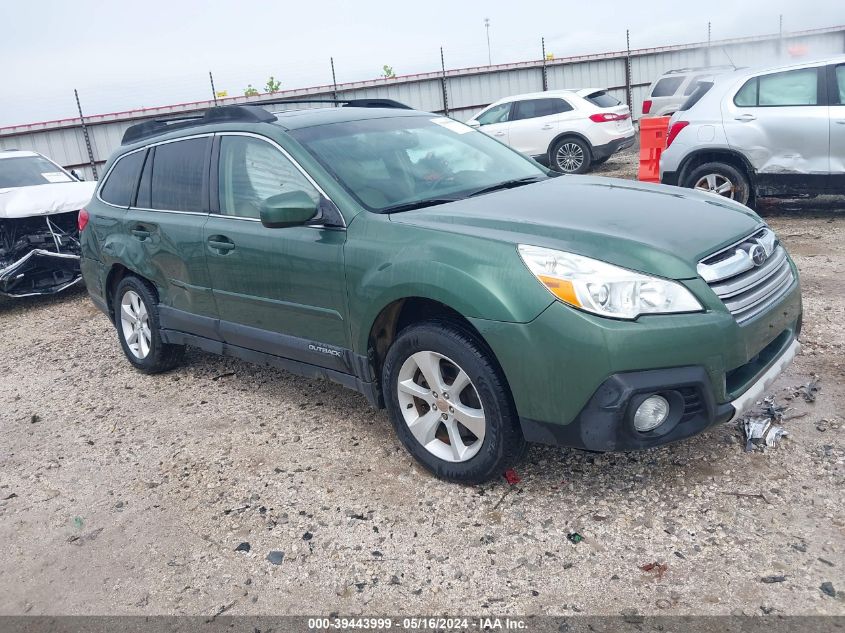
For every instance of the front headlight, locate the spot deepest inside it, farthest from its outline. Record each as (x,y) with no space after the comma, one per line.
(605,289)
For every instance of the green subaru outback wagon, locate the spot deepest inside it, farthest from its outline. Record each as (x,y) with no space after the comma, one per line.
(484,300)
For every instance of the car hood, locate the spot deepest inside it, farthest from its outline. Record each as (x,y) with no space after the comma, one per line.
(58,197)
(654,229)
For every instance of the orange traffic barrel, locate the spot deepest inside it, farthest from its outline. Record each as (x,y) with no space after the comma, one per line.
(652,143)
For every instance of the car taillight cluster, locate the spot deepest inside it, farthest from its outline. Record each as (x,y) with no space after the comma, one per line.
(674,130)
(82,220)
(646,106)
(604,117)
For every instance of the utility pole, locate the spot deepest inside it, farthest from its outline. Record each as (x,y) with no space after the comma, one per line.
(85,134)
(213,91)
(443,83)
(545,74)
(489,56)
(334,82)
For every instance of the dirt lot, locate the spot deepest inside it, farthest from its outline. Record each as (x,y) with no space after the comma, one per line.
(123,493)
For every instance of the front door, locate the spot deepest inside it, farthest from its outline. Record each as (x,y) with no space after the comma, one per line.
(278,290)
(494,122)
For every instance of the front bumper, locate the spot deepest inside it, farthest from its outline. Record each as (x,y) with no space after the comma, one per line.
(40,272)
(575,377)
(616,145)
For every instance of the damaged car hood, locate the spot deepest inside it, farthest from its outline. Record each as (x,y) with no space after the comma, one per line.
(47,199)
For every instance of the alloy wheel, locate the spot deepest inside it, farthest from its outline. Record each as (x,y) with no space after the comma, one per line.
(716,183)
(569,157)
(441,406)
(135,323)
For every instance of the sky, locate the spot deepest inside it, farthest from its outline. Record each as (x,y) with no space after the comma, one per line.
(121,55)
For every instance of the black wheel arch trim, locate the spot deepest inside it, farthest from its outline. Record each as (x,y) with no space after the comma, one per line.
(684,168)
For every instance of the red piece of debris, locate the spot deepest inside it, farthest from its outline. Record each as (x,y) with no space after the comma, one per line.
(511,477)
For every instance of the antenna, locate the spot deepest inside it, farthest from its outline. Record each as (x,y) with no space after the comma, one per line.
(725,51)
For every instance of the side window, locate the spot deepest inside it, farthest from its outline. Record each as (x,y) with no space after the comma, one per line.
(747,95)
(177,175)
(840,83)
(250,171)
(496,114)
(667,86)
(120,185)
(533,108)
(792,88)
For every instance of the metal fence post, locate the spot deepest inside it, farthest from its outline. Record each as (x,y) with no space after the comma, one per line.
(85,134)
(629,97)
(334,81)
(213,91)
(443,83)
(545,73)
(707,56)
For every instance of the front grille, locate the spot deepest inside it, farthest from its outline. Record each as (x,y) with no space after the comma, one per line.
(748,288)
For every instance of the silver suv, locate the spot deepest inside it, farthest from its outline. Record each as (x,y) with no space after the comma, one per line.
(773,132)
(669,91)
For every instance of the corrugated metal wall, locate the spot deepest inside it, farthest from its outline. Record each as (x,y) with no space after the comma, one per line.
(468,89)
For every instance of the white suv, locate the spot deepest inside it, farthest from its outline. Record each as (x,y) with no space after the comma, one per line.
(569,130)
(767,132)
(672,88)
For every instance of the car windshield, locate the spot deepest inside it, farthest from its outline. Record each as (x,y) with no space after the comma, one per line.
(399,163)
(26,171)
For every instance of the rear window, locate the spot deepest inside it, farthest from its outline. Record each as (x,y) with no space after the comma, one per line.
(120,184)
(27,171)
(701,89)
(603,100)
(178,175)
(692,85)
(532,108)
(667,86)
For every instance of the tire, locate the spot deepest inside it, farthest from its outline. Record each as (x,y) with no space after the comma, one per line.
(451,450)
(572,147)
(147,352)
(721,178)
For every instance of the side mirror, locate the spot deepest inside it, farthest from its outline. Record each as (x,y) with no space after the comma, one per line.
(473,123)
(76,175)
(293,208)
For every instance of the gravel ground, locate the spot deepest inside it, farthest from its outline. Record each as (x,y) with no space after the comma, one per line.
(129,494)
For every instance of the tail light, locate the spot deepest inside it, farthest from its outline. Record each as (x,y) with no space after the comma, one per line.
(646,106)
(82,220)
(674,130)
(604,117)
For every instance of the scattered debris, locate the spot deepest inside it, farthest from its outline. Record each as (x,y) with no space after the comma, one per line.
(827,589)
(223,375)
(574,537)
(11,496)
(826,562)
(221,611)
(512,477)
(275,557)
(243,547)
(307,536)
(34,418)
(658,568)
(750,495)
(760,432)
(78,523)
(809,391)
(769,580)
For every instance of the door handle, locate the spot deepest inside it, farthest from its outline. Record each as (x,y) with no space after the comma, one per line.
(547,126)
(498,133)
(141,233)
(840,121)
(221,244)
(745,117)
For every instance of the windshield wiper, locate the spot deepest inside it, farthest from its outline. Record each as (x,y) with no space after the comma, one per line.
(507,184)
(419,204)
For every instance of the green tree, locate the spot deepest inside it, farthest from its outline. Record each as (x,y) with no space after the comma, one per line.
(388,72)
(272,85)
(250,91)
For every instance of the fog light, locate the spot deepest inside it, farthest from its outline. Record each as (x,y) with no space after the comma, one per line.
(651,413)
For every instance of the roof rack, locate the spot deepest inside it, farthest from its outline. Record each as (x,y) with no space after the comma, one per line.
(241,113)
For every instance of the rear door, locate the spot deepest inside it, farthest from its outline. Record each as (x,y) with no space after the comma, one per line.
(836,92)
(165,226)
(278,290)
(535,122)
(494,121)
(780,122)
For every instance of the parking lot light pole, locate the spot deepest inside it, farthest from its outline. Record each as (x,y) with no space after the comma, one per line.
(489,56)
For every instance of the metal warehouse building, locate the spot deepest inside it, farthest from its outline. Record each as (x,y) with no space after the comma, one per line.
(458,93)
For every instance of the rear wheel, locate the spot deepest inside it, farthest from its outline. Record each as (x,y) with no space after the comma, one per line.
(449,403)
(571,156)
(136,319)
(722,179)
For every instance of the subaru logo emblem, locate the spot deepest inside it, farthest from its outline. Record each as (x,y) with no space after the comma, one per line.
(757,254)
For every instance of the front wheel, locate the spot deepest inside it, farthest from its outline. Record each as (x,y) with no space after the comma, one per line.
(722,179)
(571,156)
(450,404)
